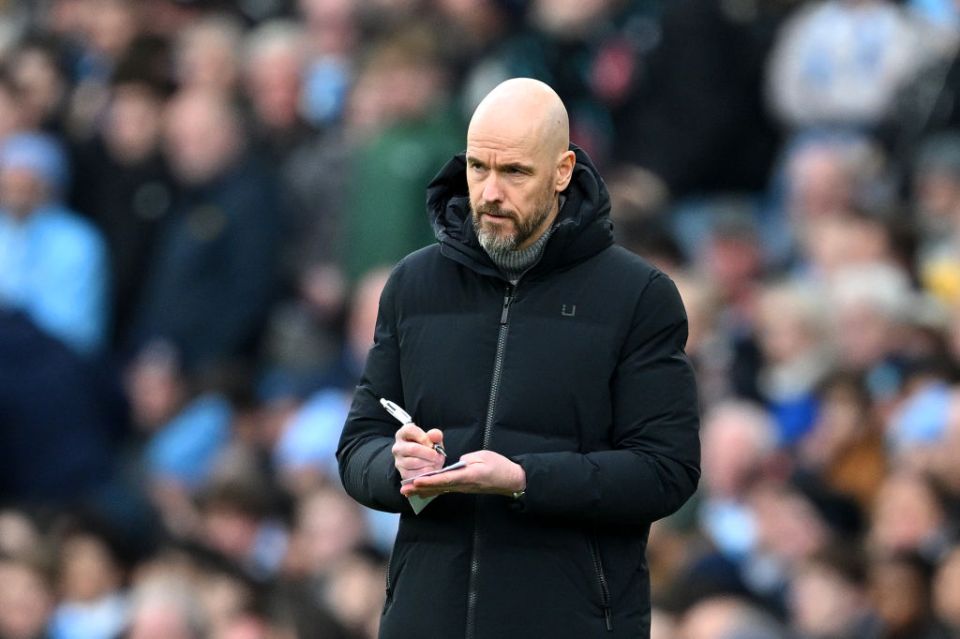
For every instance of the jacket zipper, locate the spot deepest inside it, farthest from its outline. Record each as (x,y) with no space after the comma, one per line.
(389,565)
(602,580)
(487,428)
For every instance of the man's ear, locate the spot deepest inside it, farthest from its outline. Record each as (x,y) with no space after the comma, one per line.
(565,169)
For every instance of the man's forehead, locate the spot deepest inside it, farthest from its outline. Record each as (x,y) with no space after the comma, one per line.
(513,143)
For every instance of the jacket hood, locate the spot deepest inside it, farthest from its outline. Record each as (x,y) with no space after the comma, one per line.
(583,227)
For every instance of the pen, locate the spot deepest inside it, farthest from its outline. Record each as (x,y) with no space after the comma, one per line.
(404,418)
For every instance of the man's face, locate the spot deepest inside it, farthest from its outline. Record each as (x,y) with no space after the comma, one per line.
(511,186)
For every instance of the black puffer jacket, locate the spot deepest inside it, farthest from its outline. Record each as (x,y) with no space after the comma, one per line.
(578,374)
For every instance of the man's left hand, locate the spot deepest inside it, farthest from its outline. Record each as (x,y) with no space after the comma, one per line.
(485,472)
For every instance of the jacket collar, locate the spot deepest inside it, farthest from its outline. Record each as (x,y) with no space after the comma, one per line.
(583,227)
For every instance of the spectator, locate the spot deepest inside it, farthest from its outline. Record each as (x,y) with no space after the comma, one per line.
(90,579)
(207,55)
(53,264)
(828,598)
(26,597)
(237,521)
(739,441)
(165,607)
(414,130)
(794,339)
(845,448)
(909,516)
(899,586)
(215,263)
(123,183)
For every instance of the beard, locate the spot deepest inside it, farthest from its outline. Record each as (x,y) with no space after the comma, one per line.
(495,238)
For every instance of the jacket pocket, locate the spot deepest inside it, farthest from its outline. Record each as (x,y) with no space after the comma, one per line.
(602,585)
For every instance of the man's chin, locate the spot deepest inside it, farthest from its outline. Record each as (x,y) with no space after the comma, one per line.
(493,241)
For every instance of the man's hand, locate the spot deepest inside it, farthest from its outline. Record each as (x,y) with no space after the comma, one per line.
(413,451)
(486,472)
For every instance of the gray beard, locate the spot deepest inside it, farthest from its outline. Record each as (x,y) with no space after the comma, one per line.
(499,243)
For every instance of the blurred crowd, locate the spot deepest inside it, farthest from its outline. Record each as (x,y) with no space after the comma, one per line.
(200,202)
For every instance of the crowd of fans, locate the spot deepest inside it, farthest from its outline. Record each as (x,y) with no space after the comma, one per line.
(200,202)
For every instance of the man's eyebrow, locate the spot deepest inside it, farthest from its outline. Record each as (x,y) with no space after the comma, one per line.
(473,160)
(517,166)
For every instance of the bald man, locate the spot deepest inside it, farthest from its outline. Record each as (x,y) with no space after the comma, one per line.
(549,363)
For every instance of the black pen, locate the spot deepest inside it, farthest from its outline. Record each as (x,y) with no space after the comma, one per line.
(404,418)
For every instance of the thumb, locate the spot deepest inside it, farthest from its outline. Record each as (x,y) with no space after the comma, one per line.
(435,435)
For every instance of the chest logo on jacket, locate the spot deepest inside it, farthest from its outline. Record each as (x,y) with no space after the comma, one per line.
(568,311)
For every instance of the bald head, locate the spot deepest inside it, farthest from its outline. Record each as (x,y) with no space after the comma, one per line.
(527,110)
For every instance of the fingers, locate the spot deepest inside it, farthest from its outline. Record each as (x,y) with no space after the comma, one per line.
(411,455)
(413,433)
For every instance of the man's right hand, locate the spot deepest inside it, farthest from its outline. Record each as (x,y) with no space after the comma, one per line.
(413,452)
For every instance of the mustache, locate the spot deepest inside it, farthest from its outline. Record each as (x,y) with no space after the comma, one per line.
(492,208)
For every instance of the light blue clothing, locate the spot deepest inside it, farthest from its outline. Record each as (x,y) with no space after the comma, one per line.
(54,267)
(185,449)
(922,420)
(101,619)
(730,525)
(310,438)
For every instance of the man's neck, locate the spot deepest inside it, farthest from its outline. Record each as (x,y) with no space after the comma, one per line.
(513,263)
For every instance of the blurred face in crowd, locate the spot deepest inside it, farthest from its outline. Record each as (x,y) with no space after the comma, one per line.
(787,324)
(18,535)
(900,594)
(820,183)
(21,190)
(229,530)
(25,600)
(732,263)
(328,525)
(110,25)
(835,242)
(517,163)
(202,136)
(87,569)
(355,592)
(788,525)
(134,122)
(864,334)
(207,55)
(907,514)
(733,453)
(273,81)
(160,622)
(41,83)
(156,390)
(823,603)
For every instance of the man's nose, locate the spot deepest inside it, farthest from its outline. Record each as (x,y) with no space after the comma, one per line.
(491,190)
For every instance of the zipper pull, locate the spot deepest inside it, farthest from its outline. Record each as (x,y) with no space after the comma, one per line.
(506,305)
(608,617)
